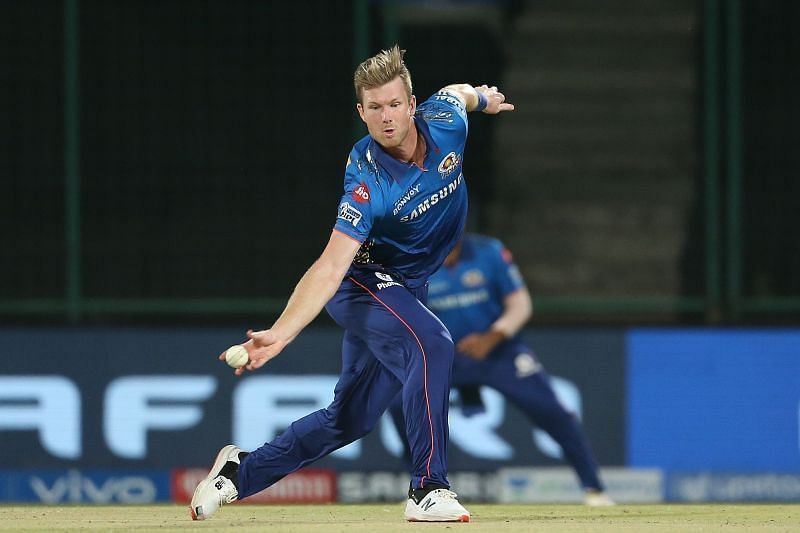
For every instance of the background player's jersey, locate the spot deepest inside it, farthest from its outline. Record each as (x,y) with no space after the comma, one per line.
(408,219)
(468,298)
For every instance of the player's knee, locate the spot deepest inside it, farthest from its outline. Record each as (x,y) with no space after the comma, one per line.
(353,432)
(440,345)
(346,429)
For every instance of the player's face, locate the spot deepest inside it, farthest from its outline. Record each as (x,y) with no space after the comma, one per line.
(387,112)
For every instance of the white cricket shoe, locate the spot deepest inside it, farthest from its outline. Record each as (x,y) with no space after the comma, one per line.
(439,505)
(217,488)
(594,498)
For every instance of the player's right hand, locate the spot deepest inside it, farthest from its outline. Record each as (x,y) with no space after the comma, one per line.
(261,346)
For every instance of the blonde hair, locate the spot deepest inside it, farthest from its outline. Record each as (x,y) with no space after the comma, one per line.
(380,69)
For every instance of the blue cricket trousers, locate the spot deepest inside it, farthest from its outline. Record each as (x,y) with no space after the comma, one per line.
(392,343)
(529,389)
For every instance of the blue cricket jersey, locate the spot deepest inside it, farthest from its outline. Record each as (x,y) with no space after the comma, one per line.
(408,219)
(468,297)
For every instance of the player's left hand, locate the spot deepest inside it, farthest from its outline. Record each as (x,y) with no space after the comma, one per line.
(478,346)
(261,347)
(496,101)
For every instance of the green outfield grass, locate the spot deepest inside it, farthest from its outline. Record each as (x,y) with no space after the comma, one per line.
(389,517)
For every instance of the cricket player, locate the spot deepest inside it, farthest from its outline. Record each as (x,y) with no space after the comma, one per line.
(481,297)
(402,211)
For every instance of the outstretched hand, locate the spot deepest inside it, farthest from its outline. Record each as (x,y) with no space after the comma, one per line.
(496,101)
(261,346)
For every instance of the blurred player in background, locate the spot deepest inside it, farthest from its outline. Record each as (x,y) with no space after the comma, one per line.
(481,297)
(403,209)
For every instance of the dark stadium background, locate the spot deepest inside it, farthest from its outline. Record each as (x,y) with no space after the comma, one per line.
(181,161)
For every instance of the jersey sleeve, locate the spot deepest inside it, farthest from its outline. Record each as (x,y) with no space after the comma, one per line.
(446,113)
(506,275)
(355,214)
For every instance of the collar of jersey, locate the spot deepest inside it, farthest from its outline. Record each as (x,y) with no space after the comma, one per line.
(396,168)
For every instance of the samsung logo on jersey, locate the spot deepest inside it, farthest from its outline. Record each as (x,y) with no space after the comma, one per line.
(461,299)
(433,199)
(410,193)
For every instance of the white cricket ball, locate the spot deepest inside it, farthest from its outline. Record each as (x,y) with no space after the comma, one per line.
(236,356)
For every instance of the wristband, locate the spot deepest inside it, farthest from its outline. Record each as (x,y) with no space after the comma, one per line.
(482,101)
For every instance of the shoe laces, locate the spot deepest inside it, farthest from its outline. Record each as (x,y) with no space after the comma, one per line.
(446,494)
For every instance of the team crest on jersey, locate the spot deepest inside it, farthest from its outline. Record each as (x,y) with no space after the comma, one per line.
(449,164)
(473,278)
(349,213)
(361,193)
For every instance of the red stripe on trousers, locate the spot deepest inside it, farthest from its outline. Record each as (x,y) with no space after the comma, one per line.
(425,373)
